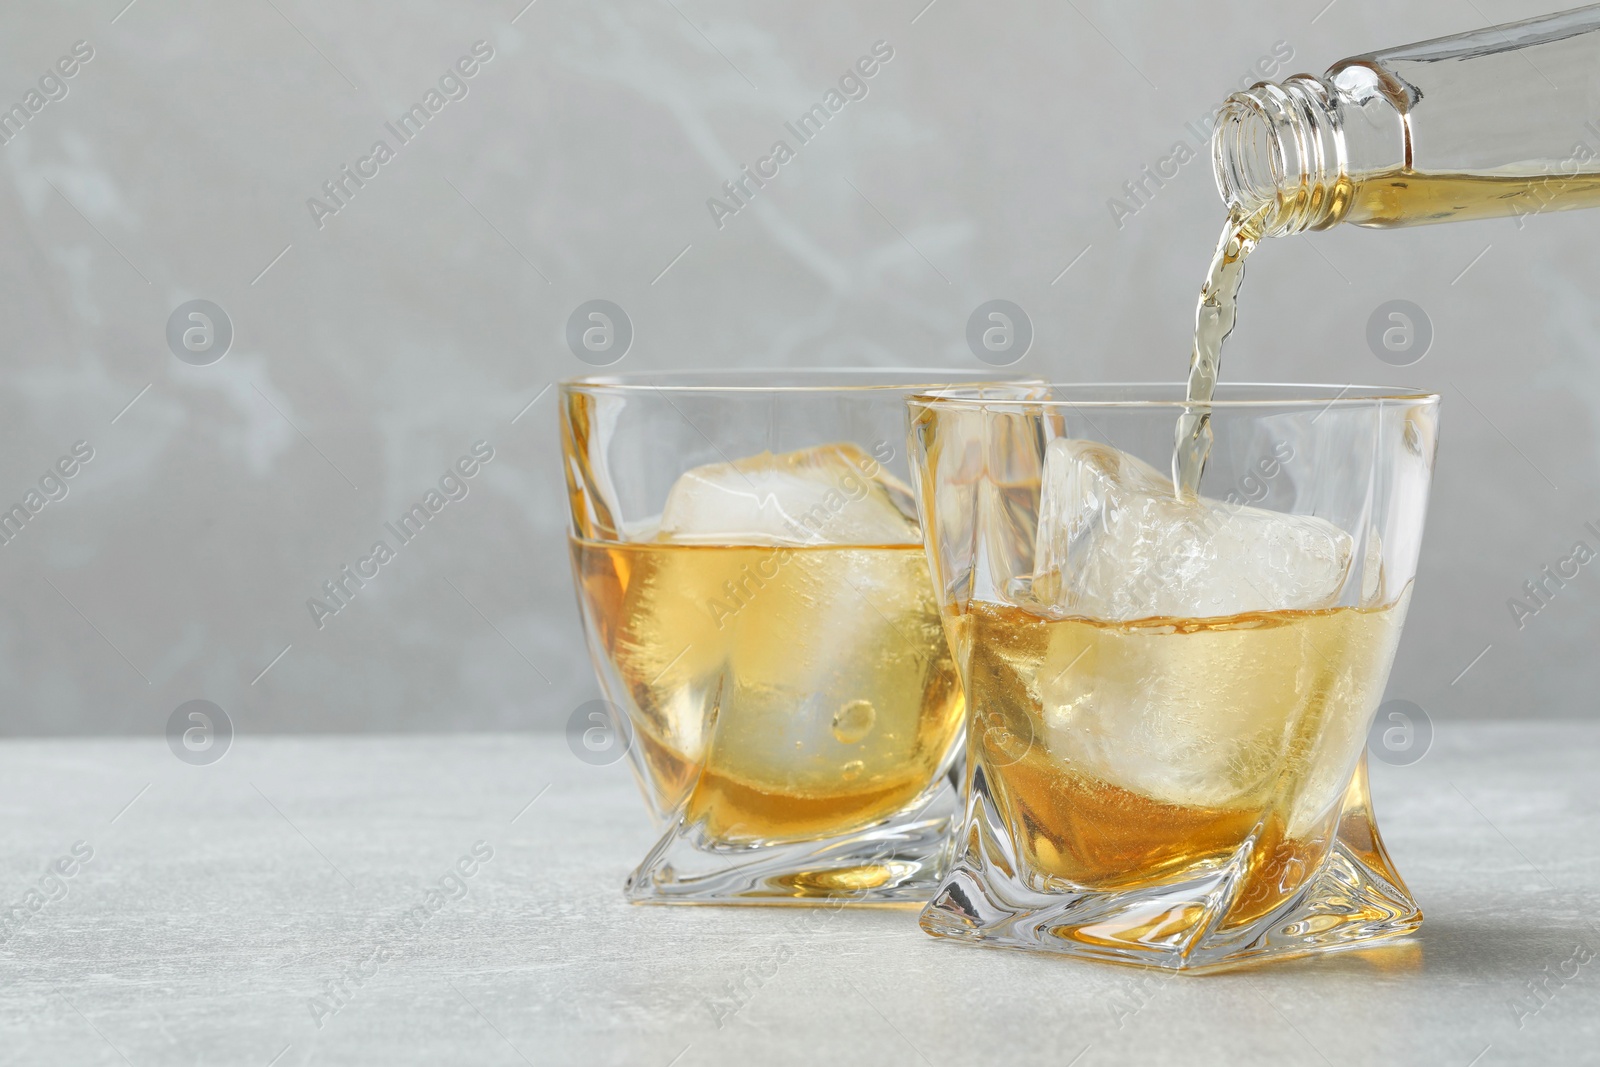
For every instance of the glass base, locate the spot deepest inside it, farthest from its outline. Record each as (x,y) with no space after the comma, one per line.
(1355,898)
(900,860)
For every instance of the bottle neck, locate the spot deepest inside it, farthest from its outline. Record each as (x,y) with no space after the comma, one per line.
(1279,151)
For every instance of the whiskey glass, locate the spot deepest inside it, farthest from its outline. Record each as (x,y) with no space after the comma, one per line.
(755,597)
(1168,698)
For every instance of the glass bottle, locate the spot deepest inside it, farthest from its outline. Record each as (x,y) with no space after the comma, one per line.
(1502,121)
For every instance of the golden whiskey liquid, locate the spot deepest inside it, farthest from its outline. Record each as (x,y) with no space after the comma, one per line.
(1406,198)
(1394,198)
(1213,320)
(777,693)
(1126,754)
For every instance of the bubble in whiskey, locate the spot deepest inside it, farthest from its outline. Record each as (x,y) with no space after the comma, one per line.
(852,770)
(854,721)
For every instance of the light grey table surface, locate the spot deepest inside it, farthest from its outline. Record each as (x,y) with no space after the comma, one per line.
(219,904)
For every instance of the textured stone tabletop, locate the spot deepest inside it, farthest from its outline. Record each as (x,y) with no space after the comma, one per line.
(465,892)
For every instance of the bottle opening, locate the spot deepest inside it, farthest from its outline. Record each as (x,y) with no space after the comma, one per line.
(1249,160)
(1278,152)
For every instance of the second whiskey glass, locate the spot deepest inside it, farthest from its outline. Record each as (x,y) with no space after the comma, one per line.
(756,600)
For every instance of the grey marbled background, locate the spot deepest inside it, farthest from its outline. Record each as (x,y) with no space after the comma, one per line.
(426,314)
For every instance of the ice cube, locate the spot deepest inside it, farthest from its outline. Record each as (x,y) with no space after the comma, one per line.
(1114,542)
(834,494)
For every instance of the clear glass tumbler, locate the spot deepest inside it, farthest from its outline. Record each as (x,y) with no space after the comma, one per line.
(756,600)
(1169,698)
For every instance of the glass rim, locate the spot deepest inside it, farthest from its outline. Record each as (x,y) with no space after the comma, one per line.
(791,380)
(1276,395)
